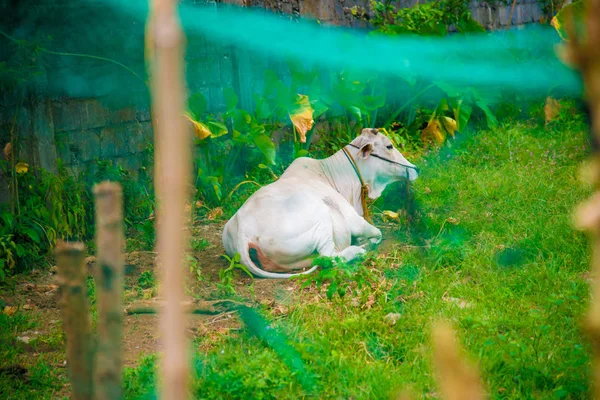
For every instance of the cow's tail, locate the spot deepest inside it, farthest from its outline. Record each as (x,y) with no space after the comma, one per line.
(256,270)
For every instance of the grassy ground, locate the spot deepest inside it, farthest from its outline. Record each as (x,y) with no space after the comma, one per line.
(491,248)
(487,243)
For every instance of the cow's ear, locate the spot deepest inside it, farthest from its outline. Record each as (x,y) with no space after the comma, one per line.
(365,151)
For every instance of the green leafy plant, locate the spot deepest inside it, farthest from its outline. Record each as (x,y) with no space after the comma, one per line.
(45,208)
(147,280)
(339,276)
(435,18)
(138,198)
(221,143)
(226,275)
(200,244)
(195,268)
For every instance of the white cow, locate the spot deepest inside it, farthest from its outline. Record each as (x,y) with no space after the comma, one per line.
(315,208)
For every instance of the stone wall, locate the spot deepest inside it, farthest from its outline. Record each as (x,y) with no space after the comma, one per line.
(492,15)
(86,130)
(80,129)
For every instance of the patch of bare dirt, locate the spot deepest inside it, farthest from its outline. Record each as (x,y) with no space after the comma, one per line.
(36,293)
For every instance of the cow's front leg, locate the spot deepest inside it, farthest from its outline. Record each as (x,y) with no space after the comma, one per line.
(348,254)
(366,234)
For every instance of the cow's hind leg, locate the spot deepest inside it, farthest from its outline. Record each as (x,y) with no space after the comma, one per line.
(349,253)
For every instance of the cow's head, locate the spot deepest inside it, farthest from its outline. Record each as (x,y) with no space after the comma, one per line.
(380,163)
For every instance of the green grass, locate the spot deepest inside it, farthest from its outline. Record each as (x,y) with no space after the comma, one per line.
(509,275)
(21,375)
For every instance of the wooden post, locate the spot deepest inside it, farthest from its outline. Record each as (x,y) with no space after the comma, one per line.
(74,307)
(109,289)
(457,380)
(172,174)
(584,54)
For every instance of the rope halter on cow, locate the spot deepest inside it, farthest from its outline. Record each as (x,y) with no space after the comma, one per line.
(364,188)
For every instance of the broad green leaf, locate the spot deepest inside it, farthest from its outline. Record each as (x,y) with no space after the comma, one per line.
(197,106)
(301,153)
(462,114)
(231,99)
(489,115)
(319,108)
(262,110)
(216,185)
(8,219)
(32,234)
(356,112)
(217,129)
(450,90)
(373,103)
(241,121)
(265,145)
(301,76)
(575,10)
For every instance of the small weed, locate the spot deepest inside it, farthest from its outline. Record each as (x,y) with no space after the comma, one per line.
(147,280)
(195,268)
(339,275)
(200,244)
(226,275)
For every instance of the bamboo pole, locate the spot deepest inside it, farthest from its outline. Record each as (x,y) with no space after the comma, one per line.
(74,307)
(584,54)
(457,380)
(109,290)
(172,174)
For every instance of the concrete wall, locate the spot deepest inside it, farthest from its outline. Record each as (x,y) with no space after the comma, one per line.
(492,15)
(79,129)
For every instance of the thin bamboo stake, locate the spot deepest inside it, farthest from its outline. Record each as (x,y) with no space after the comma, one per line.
(109,289)
(74,307)
(457,380)
(584,54)
(172,174)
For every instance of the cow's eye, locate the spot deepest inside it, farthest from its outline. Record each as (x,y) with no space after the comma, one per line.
(390,147)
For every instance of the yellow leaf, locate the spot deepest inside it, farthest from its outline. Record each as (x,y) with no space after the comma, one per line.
(21,168)
(554,22)
(200,130)
(433,132)
(215,213)
(302,118)
(551,109)
(10,310)
(390,214)
(453,221)
(449,125)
